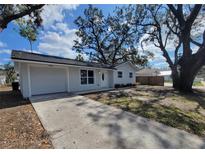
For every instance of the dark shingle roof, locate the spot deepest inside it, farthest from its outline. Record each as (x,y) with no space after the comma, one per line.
(22,55)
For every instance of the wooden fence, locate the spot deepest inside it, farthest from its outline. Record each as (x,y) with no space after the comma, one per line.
(150,80)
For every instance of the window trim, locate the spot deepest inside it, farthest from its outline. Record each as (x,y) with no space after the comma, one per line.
(87,77)
(131,73)
(118,74)
(83,77)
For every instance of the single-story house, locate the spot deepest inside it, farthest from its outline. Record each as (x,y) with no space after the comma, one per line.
(43,74)
(148,76)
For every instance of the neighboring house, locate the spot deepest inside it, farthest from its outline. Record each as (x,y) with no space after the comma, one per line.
(149,76)
(2,77)
(166,74)
(43,74)
(125,73)
(148,72)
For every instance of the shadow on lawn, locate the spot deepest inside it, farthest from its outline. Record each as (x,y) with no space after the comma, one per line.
(146,133)
(11,98)
(152,109)
(198,95)
(127,130)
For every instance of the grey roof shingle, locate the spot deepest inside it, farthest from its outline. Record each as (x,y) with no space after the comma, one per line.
(22,55)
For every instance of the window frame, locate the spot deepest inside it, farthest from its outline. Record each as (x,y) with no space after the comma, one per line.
(131,73)
(87,77)
(83,77)
(121,74)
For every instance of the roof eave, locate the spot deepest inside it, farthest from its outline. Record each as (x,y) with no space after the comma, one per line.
(55,63)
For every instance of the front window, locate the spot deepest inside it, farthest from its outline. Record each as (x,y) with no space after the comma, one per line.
(119,74)
(90,77)
(87,76)
(130,75)
(83,74)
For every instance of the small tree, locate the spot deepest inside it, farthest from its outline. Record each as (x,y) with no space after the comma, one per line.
(28,30)
(10,73)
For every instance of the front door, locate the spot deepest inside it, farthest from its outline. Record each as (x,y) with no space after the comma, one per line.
(104,79)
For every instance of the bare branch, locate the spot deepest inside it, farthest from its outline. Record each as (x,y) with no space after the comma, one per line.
(156,45)
(193,15)
(176,52)
(195,42)
(177,14)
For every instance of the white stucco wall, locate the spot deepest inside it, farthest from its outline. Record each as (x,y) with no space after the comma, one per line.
(75,82)
(125,68)
(30,78)
(24,81)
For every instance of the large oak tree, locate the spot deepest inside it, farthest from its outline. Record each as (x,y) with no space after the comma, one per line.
(177,25)
(109,39)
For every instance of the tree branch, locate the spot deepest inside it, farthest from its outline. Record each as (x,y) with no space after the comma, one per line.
(176,52)
(177,14)
(195,42)
(4,21)
(193,15)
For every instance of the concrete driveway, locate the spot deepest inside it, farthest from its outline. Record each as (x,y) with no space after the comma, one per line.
(78,122)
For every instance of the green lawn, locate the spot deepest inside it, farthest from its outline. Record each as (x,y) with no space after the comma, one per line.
(198,83)
(181,111)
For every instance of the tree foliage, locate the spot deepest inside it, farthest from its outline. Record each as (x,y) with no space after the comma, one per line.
(10,73)
(109,39)
(28,30)
(79,57)
(10,12)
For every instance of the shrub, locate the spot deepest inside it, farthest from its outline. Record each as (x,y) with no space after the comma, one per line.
(117,85)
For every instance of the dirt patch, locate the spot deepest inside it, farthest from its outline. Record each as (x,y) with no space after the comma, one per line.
(19,124)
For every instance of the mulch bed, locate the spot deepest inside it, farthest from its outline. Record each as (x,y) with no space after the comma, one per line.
(20,126)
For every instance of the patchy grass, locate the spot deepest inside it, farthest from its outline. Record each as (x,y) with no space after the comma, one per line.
(161,104)
(198,84)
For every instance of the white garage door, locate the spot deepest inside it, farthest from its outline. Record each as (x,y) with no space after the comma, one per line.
(45,80)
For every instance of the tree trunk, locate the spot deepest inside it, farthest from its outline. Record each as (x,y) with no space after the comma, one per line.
(175,78)
(186,82)
(183,81)
(31,45)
